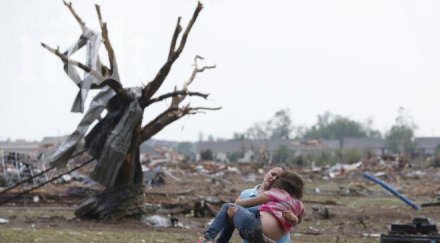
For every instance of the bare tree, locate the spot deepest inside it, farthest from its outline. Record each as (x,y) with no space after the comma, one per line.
(115,139)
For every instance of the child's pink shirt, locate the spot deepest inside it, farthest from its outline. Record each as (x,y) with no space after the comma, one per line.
(281,201)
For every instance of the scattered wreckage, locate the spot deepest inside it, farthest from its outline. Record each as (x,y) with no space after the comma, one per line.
(418,231)
(172,197)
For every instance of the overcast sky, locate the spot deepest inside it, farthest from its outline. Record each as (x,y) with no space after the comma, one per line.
(360,59)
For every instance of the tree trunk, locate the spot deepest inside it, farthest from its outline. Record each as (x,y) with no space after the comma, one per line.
(113,204)
(126,198)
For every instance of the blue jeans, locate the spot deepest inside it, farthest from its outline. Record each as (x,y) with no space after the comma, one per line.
(247,224)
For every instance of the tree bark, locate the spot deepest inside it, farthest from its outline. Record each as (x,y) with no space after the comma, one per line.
(126,197)
(113,204)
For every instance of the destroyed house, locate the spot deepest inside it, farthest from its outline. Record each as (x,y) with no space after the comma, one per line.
(221,149)
(149,150)
(249,149)
(20,146)
(154,152)
(48,142)
(376,146)
(426,146)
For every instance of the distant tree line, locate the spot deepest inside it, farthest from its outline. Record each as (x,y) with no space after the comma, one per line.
(399,138)
(331,126)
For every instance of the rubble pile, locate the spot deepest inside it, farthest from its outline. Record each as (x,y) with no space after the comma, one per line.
(179,192)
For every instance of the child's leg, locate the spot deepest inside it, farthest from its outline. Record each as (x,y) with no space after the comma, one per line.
(248,225)
(229,228)
(220,221)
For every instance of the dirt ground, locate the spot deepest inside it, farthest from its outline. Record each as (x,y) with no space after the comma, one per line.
(347,208)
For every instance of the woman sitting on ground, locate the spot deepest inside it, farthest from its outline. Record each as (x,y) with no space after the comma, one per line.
(269,225)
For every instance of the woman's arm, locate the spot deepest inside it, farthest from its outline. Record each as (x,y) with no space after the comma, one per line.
(260,199)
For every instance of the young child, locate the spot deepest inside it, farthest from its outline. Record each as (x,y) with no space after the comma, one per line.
(269,225)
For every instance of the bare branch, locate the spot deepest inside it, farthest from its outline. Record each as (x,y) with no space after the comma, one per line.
(165,118)
(155,84)
(66,59)
(200,70)
(98,11)
(175,36)
(188,29)
(195,71)
(106,39)
(69,6)
(205,108)
(178,96)
(173,94)
(193,76)
(197,110)
(176,100)
(198,57)
(174,113)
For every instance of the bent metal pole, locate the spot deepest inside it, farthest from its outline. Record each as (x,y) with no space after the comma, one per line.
(392,190)
(49,181)
(37,175)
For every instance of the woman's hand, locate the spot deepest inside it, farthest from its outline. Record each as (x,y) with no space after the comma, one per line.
(290,216)
(238,201)
(231,212)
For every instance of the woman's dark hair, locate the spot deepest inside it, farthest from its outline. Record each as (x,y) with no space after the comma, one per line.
(274,165)
(290,182)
